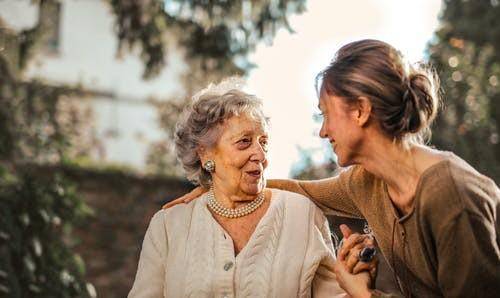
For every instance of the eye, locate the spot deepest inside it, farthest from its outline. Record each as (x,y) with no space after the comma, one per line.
(264,143)
(244,143)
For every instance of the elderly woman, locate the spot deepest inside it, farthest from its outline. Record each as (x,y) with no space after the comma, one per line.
(240,238)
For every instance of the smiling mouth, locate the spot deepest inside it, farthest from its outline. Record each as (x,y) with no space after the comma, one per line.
(332,142)
(255,173)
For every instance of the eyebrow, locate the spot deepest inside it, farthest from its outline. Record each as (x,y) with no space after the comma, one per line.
(240,134)
(245,133)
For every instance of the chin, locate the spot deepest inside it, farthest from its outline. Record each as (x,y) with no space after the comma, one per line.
(342,162)
(342,165)
(254,189)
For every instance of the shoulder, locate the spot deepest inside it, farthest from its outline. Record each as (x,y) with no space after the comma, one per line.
(455,187)
(478,194)
(176,217)
(300,206)
(468,179)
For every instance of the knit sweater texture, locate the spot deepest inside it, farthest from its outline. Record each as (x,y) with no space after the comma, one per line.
(186,253)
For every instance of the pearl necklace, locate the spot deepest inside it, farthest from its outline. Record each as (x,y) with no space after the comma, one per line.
(217,207)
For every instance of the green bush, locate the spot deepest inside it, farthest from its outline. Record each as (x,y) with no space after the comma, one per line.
(36,218)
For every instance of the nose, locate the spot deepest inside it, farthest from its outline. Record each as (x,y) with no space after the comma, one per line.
(322,132)
(259,153)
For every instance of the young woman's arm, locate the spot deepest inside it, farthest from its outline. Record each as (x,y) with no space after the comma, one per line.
(333,195)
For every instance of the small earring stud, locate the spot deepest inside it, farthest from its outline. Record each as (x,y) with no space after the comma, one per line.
(209,166)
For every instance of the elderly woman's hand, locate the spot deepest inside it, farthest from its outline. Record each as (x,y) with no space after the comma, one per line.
(349,252)
(195,193)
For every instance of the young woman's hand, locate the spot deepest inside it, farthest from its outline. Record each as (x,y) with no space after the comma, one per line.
(349,252)
(356,285)
(195,193)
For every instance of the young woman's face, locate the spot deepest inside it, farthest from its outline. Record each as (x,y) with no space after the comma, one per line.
(340,127)
(240,157)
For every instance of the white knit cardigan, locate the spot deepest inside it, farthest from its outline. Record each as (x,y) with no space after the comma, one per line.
(186,253)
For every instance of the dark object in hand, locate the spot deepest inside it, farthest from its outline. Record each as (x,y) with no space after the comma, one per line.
(367,254)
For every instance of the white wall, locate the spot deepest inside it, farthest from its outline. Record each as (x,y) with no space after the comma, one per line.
(87,56)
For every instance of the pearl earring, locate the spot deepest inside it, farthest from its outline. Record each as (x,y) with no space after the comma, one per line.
(209,166)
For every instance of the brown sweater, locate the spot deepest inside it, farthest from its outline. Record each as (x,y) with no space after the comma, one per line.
(448,245)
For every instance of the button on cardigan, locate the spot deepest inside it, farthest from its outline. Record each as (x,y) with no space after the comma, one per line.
(186,253)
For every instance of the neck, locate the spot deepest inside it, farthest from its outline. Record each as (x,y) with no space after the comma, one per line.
(396,166)
(231,199)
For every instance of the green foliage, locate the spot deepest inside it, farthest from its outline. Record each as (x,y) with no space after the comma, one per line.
(39,123)
(36,216)
(466,54)
(218,33)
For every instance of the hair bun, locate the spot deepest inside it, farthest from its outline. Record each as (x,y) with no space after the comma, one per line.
(410,121)
(422,92)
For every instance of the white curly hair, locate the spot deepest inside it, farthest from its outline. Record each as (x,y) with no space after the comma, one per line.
(200,123)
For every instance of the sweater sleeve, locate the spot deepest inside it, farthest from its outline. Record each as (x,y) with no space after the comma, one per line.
(467,241)
(332,195)
(468,258)
(325,283)
(150,276)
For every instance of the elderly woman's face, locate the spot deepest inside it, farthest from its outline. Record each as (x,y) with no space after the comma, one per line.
(240,157)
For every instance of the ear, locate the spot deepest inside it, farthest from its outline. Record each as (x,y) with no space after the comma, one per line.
(364,110)
(202,154)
